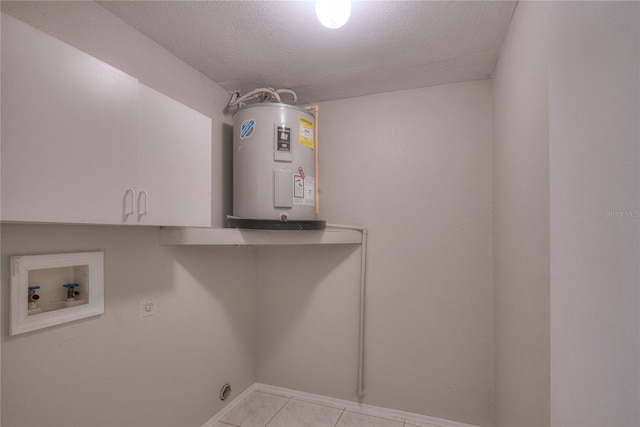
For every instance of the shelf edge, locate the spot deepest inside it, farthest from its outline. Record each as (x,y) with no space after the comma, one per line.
(237,237)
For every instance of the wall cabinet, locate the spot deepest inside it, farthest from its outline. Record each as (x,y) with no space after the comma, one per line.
(174,162)
(83,142)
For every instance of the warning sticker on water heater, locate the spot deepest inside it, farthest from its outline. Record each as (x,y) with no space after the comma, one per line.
(298,190)
(306,133)
(304,190)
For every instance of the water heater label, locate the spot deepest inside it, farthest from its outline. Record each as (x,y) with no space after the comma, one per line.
(284,139)
(304,190)
(306,133)
(310,191)
(247,128)
(298,190)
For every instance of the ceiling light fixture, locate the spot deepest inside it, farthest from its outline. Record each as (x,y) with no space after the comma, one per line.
(333,13)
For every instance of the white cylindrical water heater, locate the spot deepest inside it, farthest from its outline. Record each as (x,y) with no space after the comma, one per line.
(274,177)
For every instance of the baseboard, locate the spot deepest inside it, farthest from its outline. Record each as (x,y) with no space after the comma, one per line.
(349,405)
(229,406)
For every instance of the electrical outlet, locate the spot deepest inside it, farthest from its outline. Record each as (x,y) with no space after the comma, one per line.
(148,305)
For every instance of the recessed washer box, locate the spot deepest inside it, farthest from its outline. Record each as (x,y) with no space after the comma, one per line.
(51,289)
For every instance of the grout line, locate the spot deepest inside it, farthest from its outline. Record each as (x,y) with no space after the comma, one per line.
(341,413)
(279,410)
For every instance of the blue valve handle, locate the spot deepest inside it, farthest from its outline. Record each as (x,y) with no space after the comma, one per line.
(33,288)
(71,293)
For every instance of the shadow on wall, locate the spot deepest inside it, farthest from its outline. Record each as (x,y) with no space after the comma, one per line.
(226,295)
(227,171)
(298,274)
(308,299)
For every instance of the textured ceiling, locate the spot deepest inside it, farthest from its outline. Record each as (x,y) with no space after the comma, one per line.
(385,46)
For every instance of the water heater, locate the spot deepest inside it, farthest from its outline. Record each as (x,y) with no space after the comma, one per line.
(274,176)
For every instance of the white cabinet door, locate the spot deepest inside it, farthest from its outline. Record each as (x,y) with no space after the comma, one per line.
(69,130)
(174,162)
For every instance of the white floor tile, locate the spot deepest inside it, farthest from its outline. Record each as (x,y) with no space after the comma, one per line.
(269,406)
(300,413)
(256,410)
(352,419)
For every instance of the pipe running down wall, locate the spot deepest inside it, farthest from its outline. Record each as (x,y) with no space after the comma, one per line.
(363,292)
(363,259)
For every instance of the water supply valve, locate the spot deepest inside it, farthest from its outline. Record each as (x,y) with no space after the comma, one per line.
(33,297)
(71,291)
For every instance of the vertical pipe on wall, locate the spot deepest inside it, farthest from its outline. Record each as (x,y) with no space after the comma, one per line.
(316,112)
(363,290)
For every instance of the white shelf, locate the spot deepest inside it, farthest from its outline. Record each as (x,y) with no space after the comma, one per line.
(236,237)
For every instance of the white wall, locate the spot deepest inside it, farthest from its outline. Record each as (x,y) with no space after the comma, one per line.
(415,168)
(594,200)
(119,369)
(521,221)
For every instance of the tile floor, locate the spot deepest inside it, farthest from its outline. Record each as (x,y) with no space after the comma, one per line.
(266,409)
